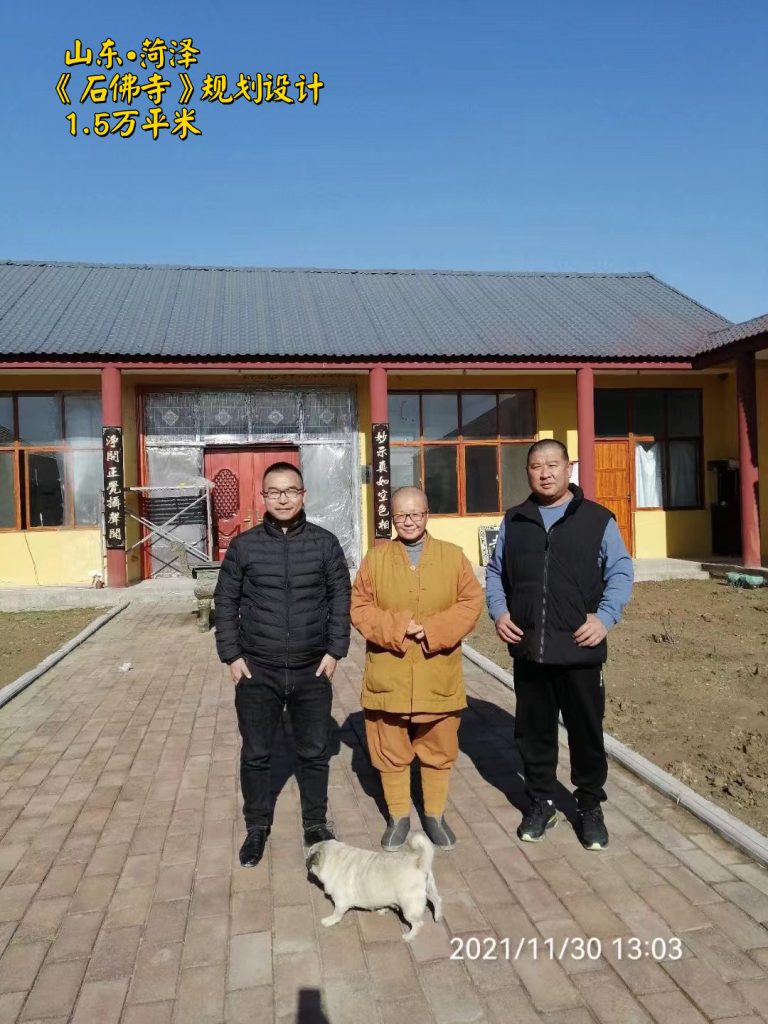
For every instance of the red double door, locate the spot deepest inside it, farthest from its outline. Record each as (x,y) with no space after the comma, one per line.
(236,501)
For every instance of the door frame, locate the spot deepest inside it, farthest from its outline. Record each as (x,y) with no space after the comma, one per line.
(629,443)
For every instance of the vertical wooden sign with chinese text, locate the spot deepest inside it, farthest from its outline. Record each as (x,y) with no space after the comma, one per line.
(114,497)
(381,481)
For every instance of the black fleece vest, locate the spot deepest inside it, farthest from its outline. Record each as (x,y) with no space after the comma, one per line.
(553,580)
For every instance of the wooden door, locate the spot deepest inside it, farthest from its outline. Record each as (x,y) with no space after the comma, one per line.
(613,483)
(236,501)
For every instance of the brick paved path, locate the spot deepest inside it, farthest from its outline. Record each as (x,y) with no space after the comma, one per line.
(121,898)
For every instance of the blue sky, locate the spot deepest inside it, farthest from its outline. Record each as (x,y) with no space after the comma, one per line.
(488,135)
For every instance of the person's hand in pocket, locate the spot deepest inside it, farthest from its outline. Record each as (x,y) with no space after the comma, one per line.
(238,669)
(327,666)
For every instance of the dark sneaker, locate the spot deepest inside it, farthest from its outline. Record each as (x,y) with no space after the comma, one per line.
(591,830)
(395,834)
(252,849)
(438,831)
(318,833)
(535,823)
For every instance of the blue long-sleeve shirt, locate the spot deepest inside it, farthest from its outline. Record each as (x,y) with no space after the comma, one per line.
(614,560)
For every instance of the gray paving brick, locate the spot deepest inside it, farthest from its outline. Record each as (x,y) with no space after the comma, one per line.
(672,1008)
(100,1002)
(294,972)
(55,990)
(250,1004)
(156,973)
(250,961)
(42,919)
(201,995)
(722,955)
(347,1000)
(609,999)
(450,993)
(19,966)
(712,996)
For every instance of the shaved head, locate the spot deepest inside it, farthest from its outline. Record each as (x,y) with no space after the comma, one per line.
(415,493)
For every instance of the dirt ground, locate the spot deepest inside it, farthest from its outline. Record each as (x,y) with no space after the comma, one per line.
(28,637)
(687,687)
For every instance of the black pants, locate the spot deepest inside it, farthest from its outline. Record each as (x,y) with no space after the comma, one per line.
(259,702)
(542,691)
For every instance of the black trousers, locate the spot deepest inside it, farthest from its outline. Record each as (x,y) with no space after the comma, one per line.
(542,691)
(259,702)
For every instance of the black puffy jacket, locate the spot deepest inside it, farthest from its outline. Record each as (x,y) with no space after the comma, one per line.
(282,599)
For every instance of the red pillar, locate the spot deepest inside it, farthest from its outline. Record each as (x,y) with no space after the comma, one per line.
(746,396)
(377,383)
(112,416)
(585,423)
(377,390)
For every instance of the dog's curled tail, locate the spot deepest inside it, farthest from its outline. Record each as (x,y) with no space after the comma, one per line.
(420,845)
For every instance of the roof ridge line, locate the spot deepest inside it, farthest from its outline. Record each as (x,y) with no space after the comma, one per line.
(230,268)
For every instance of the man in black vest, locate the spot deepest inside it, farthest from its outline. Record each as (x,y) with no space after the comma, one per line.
(559,578)
(282,623)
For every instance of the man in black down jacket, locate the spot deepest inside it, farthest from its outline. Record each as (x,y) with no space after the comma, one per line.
(282,623)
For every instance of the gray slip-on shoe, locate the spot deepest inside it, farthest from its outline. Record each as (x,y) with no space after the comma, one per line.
(439,832)
(395,834)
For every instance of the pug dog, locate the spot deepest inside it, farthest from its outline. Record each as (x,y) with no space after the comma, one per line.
(377,881)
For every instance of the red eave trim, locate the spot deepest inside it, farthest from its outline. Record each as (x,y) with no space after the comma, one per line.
(340,366)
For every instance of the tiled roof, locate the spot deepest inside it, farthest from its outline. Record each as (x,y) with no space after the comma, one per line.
(164,312)
(736,332)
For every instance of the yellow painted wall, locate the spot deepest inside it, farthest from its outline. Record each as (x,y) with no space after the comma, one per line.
(49,558)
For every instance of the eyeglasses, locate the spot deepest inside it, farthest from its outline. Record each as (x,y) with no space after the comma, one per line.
(415,517)
(290,492)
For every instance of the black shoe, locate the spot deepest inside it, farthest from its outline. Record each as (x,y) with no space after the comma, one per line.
(440,834)
(252,849)
(396,833)
(318,833)
(535,823)
(591,830)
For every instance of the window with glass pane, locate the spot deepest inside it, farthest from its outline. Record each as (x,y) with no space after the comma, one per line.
(87,479)
(6,419)
(478,415)
(648,407)
(40,419)
(440,416)
(441,479)
(514,478)
(683,412)
(45,484)
(611,413)
(404,417)
(405,467)
(648,474)
(82,420)
(517,414)
(683,474)
(7,491)
(481,477)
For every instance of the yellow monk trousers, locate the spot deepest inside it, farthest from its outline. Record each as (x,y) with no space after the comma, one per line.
(393,742)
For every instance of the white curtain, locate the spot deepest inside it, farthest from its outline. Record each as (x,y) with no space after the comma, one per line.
(648,474)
